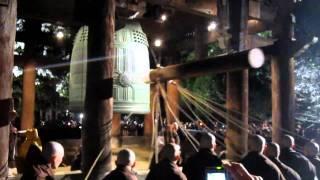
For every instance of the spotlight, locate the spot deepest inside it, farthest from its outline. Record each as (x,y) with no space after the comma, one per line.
(81,115)
(256,58)
(157,42)
(212,26)
(60,35)
(163,17)
(315,40)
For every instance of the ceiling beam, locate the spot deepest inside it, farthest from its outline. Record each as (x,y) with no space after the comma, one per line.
(203,8)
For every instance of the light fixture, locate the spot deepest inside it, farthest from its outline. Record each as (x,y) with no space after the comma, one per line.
(212,26)
(256,58)
(60,35)
(163,17)
(157,42)
(315,39)
(81,116)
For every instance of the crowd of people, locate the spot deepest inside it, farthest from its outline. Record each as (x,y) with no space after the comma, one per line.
(264,160)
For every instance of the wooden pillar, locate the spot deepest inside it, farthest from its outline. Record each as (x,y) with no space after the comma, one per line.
(283,97)
(201,39)
(8,15)
(96,131)
(283,80)
(173,97)
(116,125)
(28,99)
(148,121)
(237,85)
(237,100)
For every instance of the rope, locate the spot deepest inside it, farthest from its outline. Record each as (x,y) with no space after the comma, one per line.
(187,93)
(187,134)
(154,123)
(206,127)
(211,121)
(221,113)
(94,164)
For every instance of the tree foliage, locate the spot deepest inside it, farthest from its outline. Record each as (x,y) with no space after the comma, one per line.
(307,65)
(209,86)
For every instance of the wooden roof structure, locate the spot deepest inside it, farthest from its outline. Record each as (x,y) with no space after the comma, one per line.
(184,17)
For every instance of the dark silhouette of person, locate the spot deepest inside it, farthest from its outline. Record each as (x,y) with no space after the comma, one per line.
(258,164)
(311,150)
(196,166)
(273,152)
(167,168)
(40,165)
(125,162)
(296,160)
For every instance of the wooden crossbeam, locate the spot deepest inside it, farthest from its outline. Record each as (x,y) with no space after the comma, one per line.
(220,64)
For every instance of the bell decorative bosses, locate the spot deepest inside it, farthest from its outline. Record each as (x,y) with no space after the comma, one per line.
(130,67)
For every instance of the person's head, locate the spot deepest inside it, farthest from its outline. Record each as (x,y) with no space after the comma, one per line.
(53,152)
(171,152)
(207,141)
(272,150)
(175,126)
(287,141)
(256,143)
(311,149)
(126,157)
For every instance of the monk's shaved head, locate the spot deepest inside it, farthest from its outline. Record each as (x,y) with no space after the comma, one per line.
(53,152)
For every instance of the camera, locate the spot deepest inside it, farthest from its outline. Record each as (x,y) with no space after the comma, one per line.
(216,173)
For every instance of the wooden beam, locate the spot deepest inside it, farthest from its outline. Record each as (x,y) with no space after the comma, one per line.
(256,26)
(220,64)
(41,62)
(203,8)
(66,12)
(8,16)
(51,11)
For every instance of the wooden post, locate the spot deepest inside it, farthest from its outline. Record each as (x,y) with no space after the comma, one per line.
(148,121)
(237,85)
(32,28)
(116,125)
(282,72)
(28,99)
(201,39)
(96,132)
(237,100)
(8,15)
(283,96)
(173,96)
